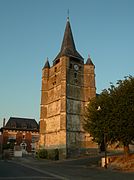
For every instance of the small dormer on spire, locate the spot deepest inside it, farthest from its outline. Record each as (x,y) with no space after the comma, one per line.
(47,65)
(89,61)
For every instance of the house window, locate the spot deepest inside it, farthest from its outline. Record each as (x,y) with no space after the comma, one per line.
(24,125)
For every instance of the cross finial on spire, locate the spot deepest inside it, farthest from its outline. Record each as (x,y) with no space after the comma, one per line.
(68,15)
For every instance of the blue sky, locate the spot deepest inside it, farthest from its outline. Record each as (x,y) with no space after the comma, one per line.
(32,30)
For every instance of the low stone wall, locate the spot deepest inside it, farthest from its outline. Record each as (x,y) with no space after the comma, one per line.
(72,153)
(17,153)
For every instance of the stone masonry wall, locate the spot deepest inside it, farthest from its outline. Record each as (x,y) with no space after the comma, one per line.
(65,93)
(53,108)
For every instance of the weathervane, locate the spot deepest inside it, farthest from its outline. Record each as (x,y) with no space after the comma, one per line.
(68,14)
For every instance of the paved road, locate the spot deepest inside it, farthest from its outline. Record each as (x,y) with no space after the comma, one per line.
(81,169)
(14,171)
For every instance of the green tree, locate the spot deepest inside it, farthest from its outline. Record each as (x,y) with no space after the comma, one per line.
(97,121)
(111,114)
(123,111)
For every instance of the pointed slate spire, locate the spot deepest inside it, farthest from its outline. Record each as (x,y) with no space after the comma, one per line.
(47,65)
(68,41)
(89,61)
(68,46)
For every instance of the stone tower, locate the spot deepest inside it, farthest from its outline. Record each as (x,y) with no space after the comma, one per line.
(67,87)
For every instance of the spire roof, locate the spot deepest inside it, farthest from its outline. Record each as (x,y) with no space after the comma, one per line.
(89,61)
(47,65)
(68,46)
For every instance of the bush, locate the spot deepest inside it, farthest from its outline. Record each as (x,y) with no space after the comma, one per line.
(52,154)
(42,153)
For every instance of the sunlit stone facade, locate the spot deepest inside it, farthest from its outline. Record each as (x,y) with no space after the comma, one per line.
(67,87)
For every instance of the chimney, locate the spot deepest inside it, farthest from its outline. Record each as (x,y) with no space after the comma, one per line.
(4,121)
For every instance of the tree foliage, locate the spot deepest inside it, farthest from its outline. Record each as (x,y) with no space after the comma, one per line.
(112,114)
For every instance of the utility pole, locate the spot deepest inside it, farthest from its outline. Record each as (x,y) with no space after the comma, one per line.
(105,142)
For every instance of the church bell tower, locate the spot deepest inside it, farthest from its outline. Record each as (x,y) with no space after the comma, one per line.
(67,87)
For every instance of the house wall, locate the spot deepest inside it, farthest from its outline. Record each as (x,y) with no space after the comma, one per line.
(19,137)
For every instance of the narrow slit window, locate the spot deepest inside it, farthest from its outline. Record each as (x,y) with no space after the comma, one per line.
(75,75)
